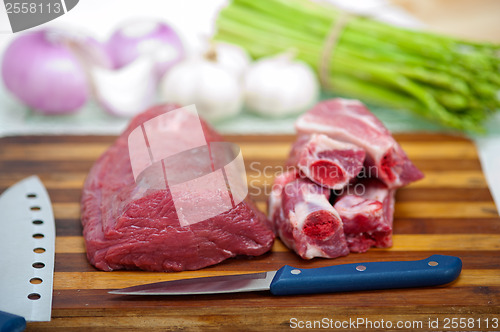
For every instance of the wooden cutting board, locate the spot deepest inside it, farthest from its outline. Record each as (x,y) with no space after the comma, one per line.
(449,212)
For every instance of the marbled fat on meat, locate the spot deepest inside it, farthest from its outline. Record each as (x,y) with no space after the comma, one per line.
(366,210)
(348,120)
(304,219)
(330,163)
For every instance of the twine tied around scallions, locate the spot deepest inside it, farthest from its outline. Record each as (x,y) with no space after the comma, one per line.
(331,41)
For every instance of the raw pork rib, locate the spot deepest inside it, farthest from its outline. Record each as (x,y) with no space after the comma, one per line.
(131,227)
(304,218)
(342,147)
(366,209)
(350,121)
(330,163)
(274,209)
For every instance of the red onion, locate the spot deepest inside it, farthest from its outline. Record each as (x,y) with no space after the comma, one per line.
(146,37)
(44,69)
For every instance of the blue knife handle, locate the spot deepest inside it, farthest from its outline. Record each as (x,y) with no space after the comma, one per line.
(433,271)
(11,323)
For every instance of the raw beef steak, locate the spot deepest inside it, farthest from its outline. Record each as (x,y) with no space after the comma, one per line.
(366,209)
(350,121)
(330,163)
(128,226)
(304,219)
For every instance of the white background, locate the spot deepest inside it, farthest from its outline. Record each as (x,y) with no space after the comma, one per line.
(193,19)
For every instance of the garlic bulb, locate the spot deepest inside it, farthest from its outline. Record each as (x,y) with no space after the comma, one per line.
(215,91)
(231,57)
(126,91)
(279,86)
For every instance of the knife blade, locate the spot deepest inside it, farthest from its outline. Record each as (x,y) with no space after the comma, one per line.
(432,271)
(27,252)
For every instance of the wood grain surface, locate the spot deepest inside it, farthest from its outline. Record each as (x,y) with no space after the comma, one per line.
(450,212)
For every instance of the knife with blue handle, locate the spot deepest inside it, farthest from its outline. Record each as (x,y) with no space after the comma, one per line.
(11,322)
(433,271)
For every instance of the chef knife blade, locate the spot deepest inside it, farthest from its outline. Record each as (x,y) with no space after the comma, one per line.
(433,271)
(26,251)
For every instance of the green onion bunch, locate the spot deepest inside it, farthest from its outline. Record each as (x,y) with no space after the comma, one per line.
(452,81)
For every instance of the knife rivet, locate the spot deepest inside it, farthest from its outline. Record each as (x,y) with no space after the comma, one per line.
(296,271)
(360,267)
(433,263)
